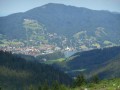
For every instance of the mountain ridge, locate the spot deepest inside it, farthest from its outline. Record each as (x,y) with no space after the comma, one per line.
(56,8)
(102,28)
(48,4)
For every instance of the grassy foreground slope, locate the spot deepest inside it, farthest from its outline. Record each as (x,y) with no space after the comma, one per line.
(111,84)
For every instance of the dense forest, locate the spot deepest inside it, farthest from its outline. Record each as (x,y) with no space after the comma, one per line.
(20,73)
(17,73)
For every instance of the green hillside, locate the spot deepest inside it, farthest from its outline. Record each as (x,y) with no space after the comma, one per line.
(81,28)
(17,73)
(111,84)
(103,62)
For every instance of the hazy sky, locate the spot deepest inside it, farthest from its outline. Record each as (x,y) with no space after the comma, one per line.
(12,6)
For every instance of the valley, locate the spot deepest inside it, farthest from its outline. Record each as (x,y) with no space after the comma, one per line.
(60,47)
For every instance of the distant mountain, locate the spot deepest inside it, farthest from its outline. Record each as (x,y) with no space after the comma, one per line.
(87,28)
(18,73)
(103,62)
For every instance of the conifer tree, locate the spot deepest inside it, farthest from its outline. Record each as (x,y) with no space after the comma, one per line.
(45,86)
(55,85)
(31,87)
(95,79)
(80,80)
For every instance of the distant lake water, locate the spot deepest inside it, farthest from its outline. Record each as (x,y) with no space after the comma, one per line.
(69,53)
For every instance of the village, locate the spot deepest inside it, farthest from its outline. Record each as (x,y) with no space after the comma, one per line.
(34,50)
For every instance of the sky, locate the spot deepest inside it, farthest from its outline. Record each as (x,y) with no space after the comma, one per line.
(13,6)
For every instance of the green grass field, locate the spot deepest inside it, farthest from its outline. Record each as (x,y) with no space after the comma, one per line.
(113,84)
(54,61)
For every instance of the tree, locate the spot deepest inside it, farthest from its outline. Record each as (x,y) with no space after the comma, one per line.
(63,87)
(55,86)
(80,80)
(31,87)
(95,79)
(45,86)
(40,87)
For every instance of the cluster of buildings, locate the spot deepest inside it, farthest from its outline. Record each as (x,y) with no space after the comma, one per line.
(35,50)
(30,50)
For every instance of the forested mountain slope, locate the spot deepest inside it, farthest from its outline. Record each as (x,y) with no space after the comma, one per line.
(17,73)
(65,20)
(103,62)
